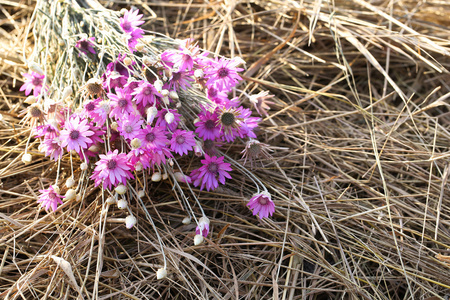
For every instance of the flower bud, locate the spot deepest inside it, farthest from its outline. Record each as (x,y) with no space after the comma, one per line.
(139,46)
(186,221)
(27,158)
(130,221)
(127,61)
(199,74)
(138,167)
(173,95)
(198,239)
(161,273)
(165,176)
(83,166)
(78,198)
(111,200)
(122,204)
(35,68)
(123,11)
(114,126)
(94,148)
(198,150)
(147,61)
(165,93)
(70,194)
(169,117)
(151,114)
(180,177)
(121,189)
(165,100)
(135,143)
(30,100)
(70,182)
(67,92)
(141,193)
(158,84)
(156,177)
(56,188)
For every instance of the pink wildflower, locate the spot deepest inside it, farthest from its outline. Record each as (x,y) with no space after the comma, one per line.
(262,203)
(49,198)
(223,73)
(85,45)
(52,147)
(213,171)
(129,126)
(120,104)
(153,137)
(202,227)
(145,94)
(182,141)
(112,169)
(75,134)
(131,20)
(34,81)
(206,127)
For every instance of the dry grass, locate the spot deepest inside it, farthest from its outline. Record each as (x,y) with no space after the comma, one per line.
(360,130)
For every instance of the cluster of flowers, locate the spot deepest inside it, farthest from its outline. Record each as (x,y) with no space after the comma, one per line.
(128,121)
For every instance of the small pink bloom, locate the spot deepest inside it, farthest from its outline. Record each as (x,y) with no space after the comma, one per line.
(75,134)
(262,203)
(34,81)
(202,227)
(131,20)
(213,171)
(112,169)
(50,198)
(182,141)
(85,45)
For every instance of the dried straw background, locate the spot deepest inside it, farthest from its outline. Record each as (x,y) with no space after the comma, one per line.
(360,130)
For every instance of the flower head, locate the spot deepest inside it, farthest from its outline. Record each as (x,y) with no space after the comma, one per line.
(112,169)
(75,134)
(33,81)
(223,73)
(131,20)
(202,227)
(145,94)
(213,171)
(153,137)
(182,141)
(85,45)
(262,203)
(130,125)
(120,104)
(49,198)
(206,127)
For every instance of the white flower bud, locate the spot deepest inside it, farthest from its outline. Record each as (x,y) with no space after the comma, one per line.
(70,194)
(67,92)
(141,193)
(151,114)
(186,221)
(139,47)
(127,61)
(114,126)
(165,93)
(121,189)
(169,117)
(1,117)
(147,61)
(199,74)
(61,42)
(156,177)
(35,68)
(130,221)
(171,162)
(111,200)
(123,11)
(122,204)
(135,143)
(198,239)
(30,100)
(99,40)
(165,100)
(198,150)
(27,158)
(81,23)
(161,273)
(158,84)
(83,166)
(165,176)
(138,167)
(94,148)
(173,95)
(70,182)
(178,105)
(78,198)
(180,177)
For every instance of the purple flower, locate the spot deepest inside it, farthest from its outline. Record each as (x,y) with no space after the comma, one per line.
(153,137)
(48,131)
(217,96)
(262,203)
(182,141)
(206,127)
(119,66)
(223,73)
(85,45)
(75,134)
(145,94)
(202,227)
(161,120)
(34,81)
(133,38)
(213,171)
(52,147)
(112,169)
(120,104)
(129,126)
(90,107)
(131,20)
(113,80)
(131,86)
(50,198)
(100,113)
(180,80)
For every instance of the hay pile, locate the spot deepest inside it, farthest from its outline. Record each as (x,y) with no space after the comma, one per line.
(359,129)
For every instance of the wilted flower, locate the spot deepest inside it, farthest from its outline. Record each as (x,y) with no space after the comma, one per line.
(262,203)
